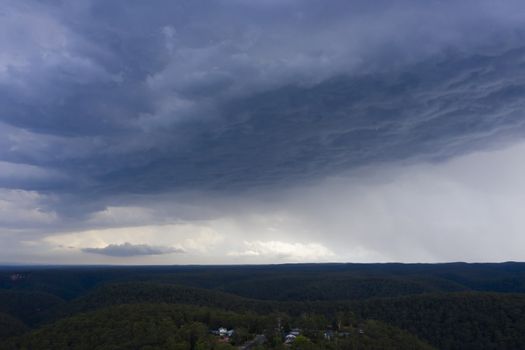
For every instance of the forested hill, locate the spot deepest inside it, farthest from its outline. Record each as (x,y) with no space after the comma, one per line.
(168,326)
(470,320)
(335,306)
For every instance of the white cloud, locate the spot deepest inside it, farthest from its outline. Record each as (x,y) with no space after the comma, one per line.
(284,251)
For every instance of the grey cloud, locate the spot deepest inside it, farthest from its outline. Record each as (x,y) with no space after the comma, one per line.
(433,110)
(128,249)
(117,103)
(150,94)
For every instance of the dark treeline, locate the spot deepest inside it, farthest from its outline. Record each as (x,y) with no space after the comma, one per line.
(283,282)
(336,306)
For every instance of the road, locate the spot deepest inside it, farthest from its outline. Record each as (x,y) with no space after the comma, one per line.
(258,340)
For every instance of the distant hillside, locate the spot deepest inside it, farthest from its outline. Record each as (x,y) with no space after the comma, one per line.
(147,292)
(300,288)
(281,282)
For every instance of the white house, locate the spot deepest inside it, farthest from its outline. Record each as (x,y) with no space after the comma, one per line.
(290,338)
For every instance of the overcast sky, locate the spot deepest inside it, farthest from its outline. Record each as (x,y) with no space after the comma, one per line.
(269,131)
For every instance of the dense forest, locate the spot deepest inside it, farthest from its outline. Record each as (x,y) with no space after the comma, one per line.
(302,306)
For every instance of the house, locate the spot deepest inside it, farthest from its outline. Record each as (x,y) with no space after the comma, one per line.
(289,339)
(295,331)
(17,277)
(223,332)
(328,335)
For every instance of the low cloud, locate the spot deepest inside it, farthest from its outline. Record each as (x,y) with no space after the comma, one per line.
(285,251)
(128,249)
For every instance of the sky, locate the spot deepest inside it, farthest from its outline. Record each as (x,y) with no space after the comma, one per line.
(261,131)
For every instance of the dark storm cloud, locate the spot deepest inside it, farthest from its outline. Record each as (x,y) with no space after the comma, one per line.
(102,99)
(435,109)
(128,249)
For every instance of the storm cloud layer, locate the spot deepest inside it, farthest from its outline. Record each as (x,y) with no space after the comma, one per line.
(260,131)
